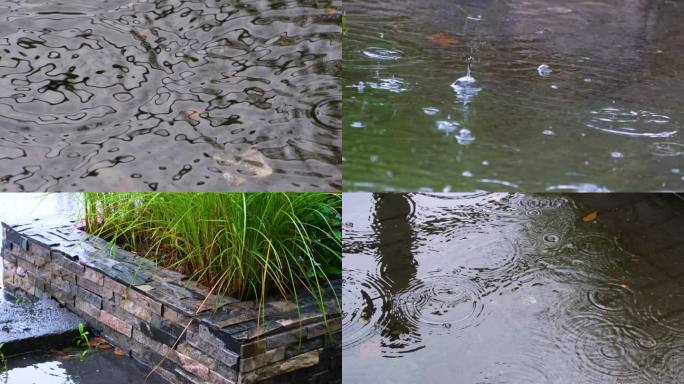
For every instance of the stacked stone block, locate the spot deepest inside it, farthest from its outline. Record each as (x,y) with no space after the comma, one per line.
(160,318)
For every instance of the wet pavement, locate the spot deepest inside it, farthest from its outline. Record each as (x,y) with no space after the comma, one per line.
(28,324)
(67,367)
(169,95)
(512,288)
(570,96)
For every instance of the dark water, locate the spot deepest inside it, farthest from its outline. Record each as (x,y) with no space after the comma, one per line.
(169,95)
(67,367)
(499,288)
(607,116)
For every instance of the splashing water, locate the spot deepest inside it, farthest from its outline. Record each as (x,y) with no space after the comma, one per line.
(466,87)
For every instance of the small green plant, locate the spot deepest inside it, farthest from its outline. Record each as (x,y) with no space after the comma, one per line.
(344,23)
(3,359)
(82,340)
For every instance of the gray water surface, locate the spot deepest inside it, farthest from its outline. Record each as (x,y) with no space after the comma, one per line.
(572,96)
(510,288)
(169,95)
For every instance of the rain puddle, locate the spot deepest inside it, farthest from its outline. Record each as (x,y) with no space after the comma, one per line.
(169,95)
(516,95)
(510,288)
(67,367)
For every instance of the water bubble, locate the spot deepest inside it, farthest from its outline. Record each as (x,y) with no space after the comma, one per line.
(466,87)
(467,174)
(549,132)
(447,126)
(465,137)
(544,70)
(430,111)
(617,155)
(357,124)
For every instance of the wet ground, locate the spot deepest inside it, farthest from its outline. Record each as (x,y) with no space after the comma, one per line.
(510,288)
(67,367)
(581,95)
(28,324)
(169,95)
(43,325)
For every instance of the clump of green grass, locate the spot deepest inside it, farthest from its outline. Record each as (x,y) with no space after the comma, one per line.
(248,245)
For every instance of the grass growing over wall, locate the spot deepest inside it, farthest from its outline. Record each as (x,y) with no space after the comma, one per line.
(250,244)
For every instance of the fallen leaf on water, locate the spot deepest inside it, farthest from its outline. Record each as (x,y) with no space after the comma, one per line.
(119,352)
(636,259)
(105,346)
(624,285)
(96,341)
(193,112)
(442,40)
(590,217)
(331,9)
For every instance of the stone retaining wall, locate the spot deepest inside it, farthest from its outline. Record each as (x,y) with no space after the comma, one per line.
(143,310)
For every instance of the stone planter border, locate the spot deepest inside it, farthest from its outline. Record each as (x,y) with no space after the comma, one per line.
(143,310)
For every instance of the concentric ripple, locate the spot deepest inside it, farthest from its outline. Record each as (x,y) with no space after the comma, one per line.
(443,303)
(632,123)
(365,307)
(607,348)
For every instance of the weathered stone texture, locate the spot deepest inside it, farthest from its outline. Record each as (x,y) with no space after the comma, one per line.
(157,316)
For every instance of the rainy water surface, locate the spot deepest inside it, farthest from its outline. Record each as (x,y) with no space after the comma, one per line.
(499,288)
(169,95)
(561,95)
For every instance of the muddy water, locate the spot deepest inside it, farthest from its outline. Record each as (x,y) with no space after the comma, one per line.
(581,95)
(169,95)
(499,288)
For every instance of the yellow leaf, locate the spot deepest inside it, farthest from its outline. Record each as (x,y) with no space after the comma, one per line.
(119,352)
(590,217)
(624,285)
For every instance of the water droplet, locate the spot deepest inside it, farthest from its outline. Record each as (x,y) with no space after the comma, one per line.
(465,137)
(430,111)
(447,126)
(544,70)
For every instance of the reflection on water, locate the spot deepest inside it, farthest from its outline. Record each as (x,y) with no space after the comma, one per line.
(500,288)
(66,367)
(532,95)
(169,95)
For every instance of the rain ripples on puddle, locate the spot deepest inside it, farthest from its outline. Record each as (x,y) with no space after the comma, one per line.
(170,95)
(513,95)
(502,288)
